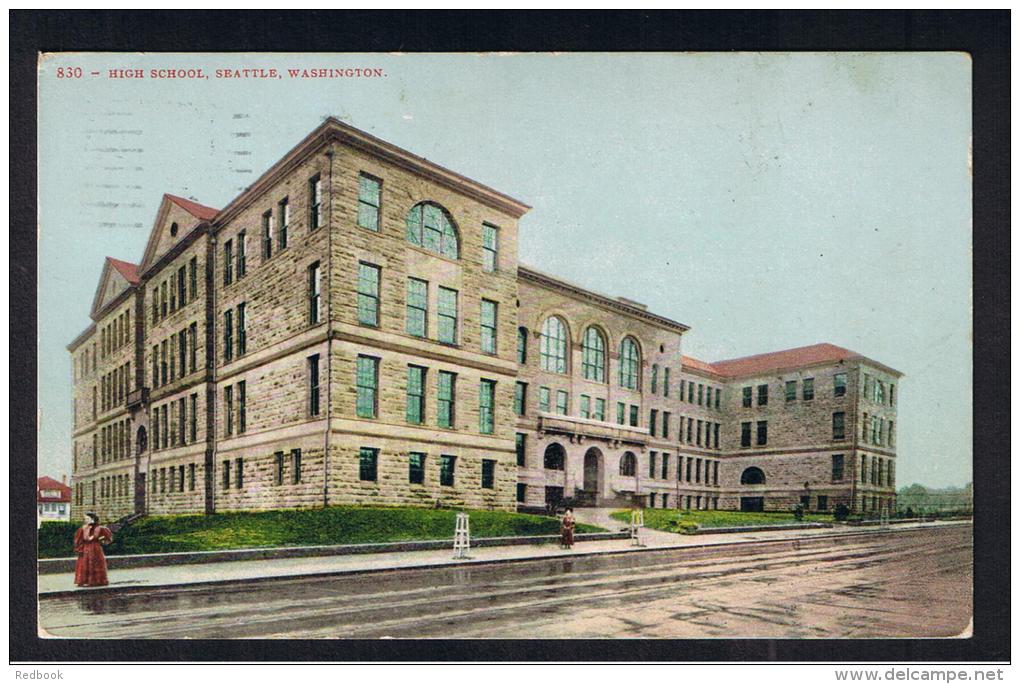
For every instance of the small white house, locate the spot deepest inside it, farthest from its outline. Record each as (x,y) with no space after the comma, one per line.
(53,499)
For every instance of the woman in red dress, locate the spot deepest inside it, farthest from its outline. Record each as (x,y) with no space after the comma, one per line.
(90,570)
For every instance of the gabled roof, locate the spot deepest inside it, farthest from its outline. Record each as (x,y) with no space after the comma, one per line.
(128,270)
(186,214)
(785,359)
(45,482)
(113,269)
(199,211)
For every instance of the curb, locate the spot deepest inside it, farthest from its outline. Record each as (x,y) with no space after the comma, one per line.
(762,528)
(63,593)
(49,566)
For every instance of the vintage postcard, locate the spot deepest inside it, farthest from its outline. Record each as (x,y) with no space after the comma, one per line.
(492,346)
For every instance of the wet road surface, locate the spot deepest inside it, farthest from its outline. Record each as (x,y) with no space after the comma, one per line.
(910,583)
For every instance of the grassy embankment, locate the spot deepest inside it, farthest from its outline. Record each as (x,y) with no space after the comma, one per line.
(685,522)
(307,527)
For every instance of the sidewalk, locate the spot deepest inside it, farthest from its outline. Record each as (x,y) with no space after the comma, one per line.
(52,585)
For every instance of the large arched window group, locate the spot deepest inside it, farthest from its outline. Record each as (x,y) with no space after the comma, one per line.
(430,226)
(594,356)
(630,364)
(553,348)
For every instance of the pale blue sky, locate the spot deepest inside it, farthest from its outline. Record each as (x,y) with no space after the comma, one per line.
(766,200)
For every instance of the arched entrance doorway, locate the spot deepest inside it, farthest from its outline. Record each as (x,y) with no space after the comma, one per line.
(141,444)
(752,476)
(593,475)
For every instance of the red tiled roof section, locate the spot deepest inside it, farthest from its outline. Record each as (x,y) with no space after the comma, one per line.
(788,358)
(696,365)
(128,270)
(199,211)
(46,483)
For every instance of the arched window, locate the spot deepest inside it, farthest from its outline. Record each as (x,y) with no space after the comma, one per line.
(752,476)
(522,345)
(594,356)
(630,362)
(430,226)
(628,464)
(554,457)
(553,350)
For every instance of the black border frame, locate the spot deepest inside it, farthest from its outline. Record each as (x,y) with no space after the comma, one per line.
(983,34)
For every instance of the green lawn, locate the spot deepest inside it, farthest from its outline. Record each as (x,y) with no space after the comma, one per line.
(308,527)
(682,521)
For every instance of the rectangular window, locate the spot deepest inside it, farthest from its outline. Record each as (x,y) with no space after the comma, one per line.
(314,293)
(666,415)
(182,292)
(892,435)
(446,399)
(718,397)
(417,307)
(242,329)
(763,433)
(283,216)
(651,464)
(697,439)
(522,346)
(520,445)
(520,398)
(415,412)
(665,466)
(697,474)
(369,201)
(228,262)
(368,463)
(585,406)
(838,425)
(791,390)
(191,477)
(368,294)
(683,388)
(621,413)
(763,395)
(267,235)
(173,307)
(488,313)
(162,300)
(416,468)
(655,378)
(313,385)
(490,247)
(295,458)
(745,434)
(367,383)
(544,400)
(701,390)
(665,382)
(447,315)
(486,406)
(182,424)
(653,422)
(839,385)
(192,348)
(690,392)
(315,218)
(892,394)
(837,467)
(809,389)
(228,335)
(488,474)
(226,474)
(747,397)
(242,254)
(633,415)
(690,431)
(193,417)
(447,466)
(155,305)
(600,409)
(278,456)
(562,402)
(522,492)
(242,408)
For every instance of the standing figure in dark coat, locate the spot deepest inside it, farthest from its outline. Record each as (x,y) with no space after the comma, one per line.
(90,571)
(567,529)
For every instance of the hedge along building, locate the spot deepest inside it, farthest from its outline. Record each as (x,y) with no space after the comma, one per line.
(354,328)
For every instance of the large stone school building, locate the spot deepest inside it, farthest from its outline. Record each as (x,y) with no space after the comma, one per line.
(355,328)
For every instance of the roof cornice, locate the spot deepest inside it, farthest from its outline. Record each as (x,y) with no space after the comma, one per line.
(82,337)
(550,282)
(197,231)
(333,130)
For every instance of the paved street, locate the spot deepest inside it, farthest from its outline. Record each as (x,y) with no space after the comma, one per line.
(912,582)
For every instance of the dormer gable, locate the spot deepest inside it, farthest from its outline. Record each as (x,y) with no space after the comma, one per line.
(176,219)
(117,277)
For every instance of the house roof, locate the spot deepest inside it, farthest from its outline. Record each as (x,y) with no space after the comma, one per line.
(199,211)
(779,360)
(126,269)
(690,363)
(46,483)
